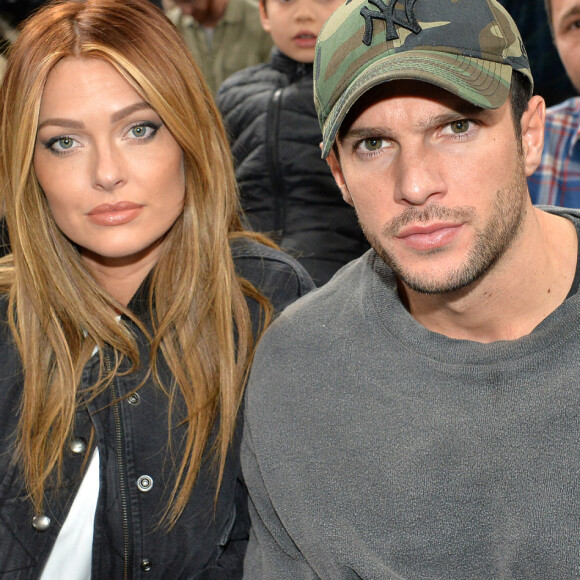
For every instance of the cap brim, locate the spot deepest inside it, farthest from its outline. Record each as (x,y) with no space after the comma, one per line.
(483,83)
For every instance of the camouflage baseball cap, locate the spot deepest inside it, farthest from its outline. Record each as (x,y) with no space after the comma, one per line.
(467,47)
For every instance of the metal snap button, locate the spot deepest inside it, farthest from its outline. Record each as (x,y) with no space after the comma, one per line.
(145,483)
(134,399)
(146,565)
(41,523)
(78,445)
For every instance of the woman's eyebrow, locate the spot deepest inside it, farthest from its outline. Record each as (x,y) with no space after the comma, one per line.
(115,117)
(59,122)
(126,111)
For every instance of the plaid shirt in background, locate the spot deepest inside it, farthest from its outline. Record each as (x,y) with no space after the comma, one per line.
(557,179)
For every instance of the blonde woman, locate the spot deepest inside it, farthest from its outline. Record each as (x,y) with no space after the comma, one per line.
(131,300)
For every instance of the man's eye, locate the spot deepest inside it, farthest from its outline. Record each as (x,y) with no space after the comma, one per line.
(459,127)
(373,144)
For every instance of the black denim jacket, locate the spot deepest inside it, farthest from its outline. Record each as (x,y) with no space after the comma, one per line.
(136,467)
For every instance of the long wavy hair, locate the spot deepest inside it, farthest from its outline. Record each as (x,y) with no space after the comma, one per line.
(58,313)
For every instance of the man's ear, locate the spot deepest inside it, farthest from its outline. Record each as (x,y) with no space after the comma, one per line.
(264,16)
(533,133)
(336,169)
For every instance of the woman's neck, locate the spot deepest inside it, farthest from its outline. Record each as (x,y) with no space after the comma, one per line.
(121,277)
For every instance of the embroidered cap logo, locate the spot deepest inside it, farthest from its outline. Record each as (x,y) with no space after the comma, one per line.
(387,13)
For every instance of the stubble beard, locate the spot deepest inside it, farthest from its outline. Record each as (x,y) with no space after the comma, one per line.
(488,247)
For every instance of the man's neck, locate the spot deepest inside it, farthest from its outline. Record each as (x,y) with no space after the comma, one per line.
(528,283)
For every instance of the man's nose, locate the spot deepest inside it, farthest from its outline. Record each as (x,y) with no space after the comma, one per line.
(419,175)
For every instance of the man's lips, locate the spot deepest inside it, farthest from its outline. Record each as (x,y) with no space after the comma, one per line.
(429,236)
(421,229)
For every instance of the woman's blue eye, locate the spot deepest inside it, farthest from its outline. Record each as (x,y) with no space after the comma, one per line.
(65,142)
(144,130)
(139,131)
(61,145)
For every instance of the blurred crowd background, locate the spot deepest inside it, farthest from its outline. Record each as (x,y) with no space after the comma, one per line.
(530,16)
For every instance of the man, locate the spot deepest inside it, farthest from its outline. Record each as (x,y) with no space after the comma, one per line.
(223,36)
(557,179)
(550,79)
(418,416)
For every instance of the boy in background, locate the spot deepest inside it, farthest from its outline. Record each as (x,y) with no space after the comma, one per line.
(287,190)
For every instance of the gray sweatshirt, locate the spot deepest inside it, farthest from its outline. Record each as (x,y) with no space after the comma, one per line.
(377,449)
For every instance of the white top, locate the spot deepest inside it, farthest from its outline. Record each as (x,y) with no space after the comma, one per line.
(71,555)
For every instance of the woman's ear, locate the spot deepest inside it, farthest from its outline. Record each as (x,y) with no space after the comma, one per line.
(533,121)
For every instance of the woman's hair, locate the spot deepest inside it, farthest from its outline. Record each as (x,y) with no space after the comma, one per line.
(58,313)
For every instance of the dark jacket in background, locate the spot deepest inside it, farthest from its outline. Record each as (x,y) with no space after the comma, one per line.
(287,190)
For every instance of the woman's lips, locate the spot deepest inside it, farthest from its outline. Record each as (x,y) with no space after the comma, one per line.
(430,236)
(114,214)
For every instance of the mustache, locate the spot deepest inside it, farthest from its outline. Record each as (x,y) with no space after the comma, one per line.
(431,212)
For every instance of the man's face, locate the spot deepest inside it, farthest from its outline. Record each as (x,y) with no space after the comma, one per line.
(566,25)
(439,185)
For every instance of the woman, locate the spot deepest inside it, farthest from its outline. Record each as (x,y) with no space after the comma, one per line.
(132,301)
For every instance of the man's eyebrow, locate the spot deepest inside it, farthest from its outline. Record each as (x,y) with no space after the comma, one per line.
(462,112)
(359,133)
(115,117)
(572,11)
